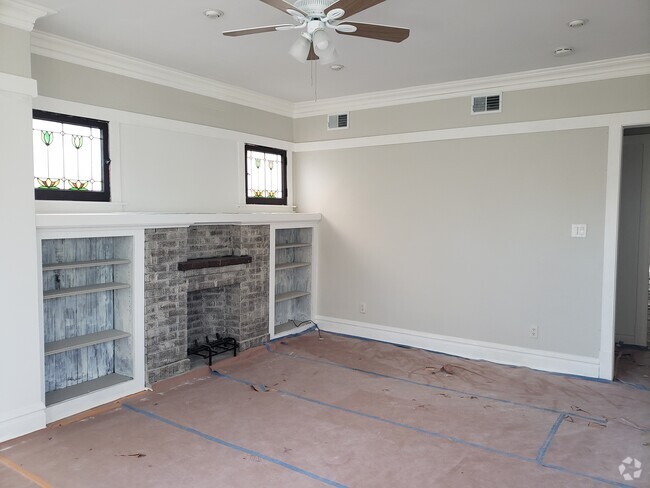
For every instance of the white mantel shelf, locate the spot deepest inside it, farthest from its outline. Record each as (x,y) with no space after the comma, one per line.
(162,220)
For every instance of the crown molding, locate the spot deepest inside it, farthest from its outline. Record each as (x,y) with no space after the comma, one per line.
(63,49)
(22,15)
(67,50)
(576,73)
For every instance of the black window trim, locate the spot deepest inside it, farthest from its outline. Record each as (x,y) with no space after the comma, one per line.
(270,150)
(79,196)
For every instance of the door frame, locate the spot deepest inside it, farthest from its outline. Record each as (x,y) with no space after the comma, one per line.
(617,124)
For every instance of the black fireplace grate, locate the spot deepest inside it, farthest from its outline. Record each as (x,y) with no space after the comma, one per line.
(210,348)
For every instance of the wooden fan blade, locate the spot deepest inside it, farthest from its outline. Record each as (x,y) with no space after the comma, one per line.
(379,32)
(312,54)
(255,30)
(352,7)
(282,5)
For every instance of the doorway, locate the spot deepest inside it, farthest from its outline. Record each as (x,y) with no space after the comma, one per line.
(633,277)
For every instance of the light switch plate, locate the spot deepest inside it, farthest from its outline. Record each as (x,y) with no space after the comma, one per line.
(579,231)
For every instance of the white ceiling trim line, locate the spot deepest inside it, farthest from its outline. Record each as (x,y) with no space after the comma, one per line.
(576,73)
(63,49)
(22,15)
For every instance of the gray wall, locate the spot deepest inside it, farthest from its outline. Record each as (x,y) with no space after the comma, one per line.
(66,81)
(465,238)
(14,60)
(598,97)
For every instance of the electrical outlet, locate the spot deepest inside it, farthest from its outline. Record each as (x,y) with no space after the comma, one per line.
(362,307)
(534,331)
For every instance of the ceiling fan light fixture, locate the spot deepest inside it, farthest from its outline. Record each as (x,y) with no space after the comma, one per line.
(300,49)
(321,41)
(329,56)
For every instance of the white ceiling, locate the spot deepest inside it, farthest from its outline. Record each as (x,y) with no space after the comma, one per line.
(450,40)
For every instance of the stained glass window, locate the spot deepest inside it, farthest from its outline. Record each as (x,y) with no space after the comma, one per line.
(266,175)
(70,157)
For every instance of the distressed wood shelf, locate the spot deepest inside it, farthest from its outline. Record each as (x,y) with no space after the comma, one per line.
(286,327)
(280,267)
(283,297)
(58,396)
(292,246)
(216,262)
(82,341)
(84,264)
(82,290)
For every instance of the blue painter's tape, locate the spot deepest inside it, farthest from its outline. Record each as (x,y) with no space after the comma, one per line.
(443,388)
(380,419)
(438,435)
(549,437)
(250,452)
(636,386)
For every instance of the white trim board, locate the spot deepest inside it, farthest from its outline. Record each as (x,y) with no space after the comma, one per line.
(24,421)
(71,51)
(583,122)
(92,400)
(18,85)
(498,353)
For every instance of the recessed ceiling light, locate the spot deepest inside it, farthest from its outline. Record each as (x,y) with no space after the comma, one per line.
(213,14)
(563,51)
(577,23)
(337,67)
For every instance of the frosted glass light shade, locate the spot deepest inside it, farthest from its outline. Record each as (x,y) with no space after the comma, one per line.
(321,40)
(328,56)
(300,49)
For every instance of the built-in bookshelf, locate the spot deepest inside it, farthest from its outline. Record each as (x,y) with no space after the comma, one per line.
(87,315)
(293,278)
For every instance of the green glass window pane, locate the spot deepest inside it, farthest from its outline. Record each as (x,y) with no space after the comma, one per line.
(68,156)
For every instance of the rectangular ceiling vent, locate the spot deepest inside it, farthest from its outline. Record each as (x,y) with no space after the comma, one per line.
(486,104)
(338,121)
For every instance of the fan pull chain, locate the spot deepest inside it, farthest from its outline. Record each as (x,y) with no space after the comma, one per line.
(315,79)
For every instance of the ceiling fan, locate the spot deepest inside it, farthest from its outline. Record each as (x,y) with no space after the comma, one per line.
(315,16)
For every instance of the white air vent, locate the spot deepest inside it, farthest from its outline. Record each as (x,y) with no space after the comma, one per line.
(338,121)
(486,104)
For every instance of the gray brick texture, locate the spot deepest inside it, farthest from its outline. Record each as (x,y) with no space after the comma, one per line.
(181,307)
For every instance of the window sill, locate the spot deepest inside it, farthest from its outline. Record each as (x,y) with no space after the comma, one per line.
(63,207)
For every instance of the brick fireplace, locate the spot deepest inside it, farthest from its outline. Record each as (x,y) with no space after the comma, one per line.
(181,306)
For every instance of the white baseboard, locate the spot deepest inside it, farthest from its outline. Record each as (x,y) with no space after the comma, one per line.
(498,353)
(89,401)
(17,424)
